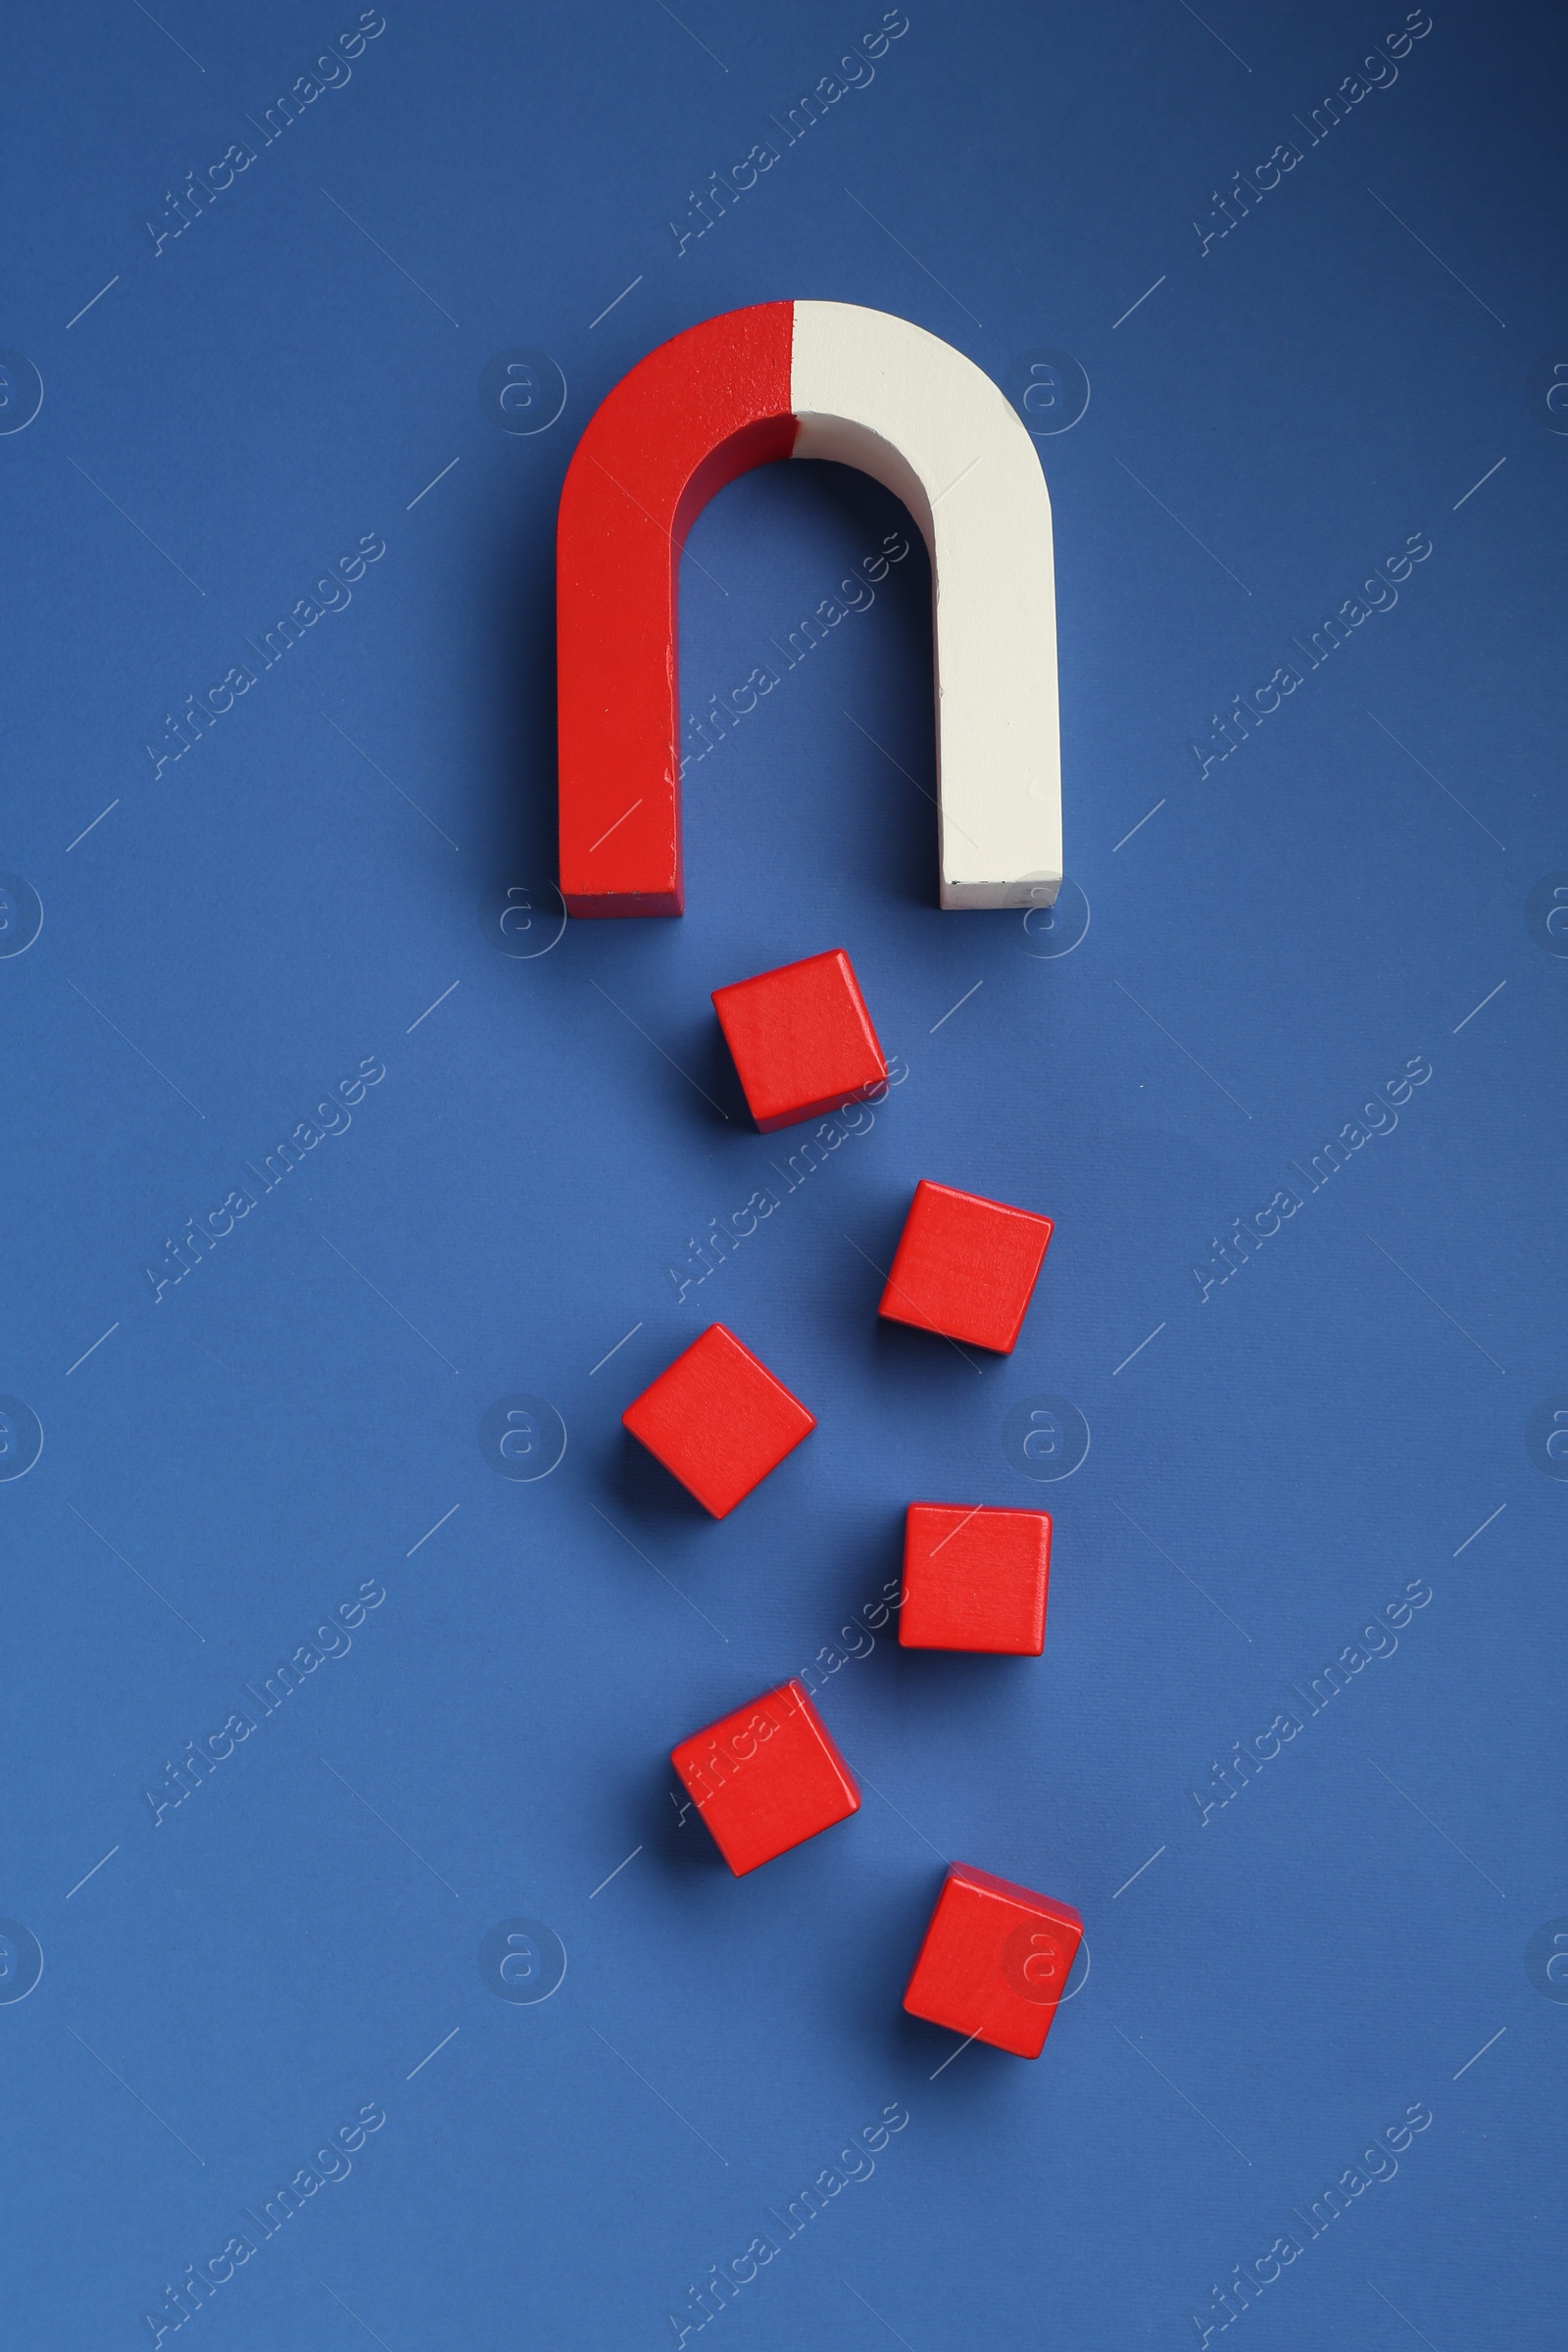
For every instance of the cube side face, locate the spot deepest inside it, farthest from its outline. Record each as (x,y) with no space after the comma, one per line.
(766,1778)
(975,1580)
(995,1961)
(801,1040)
(718,1420)
(965,1267)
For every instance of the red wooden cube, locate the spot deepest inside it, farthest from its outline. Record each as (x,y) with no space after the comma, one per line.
(767,1776)
(718,1420)
(966,1266)
(801,1040)
(974,1579)
(995,1961)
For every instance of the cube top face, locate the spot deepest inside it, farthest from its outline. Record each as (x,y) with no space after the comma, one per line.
(995,1961)
(766,1778)
(801,1040)
(975,1579)
(718,1420)
(965,1267)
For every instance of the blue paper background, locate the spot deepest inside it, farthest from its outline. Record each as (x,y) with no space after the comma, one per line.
(232,937)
